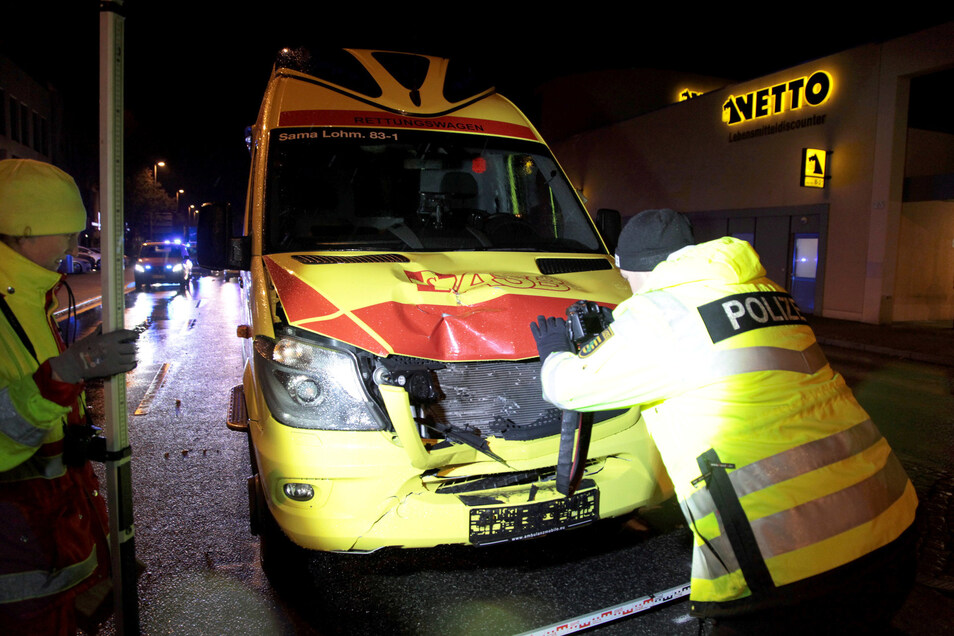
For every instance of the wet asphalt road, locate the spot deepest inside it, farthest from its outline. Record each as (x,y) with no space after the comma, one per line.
(202,573)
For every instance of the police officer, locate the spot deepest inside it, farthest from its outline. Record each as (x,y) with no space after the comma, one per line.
(53,524)
(800,511)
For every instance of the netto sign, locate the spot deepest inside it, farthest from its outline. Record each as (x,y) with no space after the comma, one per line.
(812,90)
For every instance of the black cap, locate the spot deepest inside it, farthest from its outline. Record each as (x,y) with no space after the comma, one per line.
(650,237)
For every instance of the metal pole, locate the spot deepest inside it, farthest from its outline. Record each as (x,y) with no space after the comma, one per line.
(118,470)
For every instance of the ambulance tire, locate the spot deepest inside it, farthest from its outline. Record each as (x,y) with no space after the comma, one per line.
(251,456)
(256,520)
(283,562)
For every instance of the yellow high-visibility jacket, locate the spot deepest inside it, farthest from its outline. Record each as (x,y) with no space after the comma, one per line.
(780,473)
(53,524)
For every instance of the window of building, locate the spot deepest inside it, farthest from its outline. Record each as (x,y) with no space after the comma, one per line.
(44,136)
(24,124)
(14,119)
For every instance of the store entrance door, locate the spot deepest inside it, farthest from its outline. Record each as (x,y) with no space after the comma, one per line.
(790,242)
(804,270)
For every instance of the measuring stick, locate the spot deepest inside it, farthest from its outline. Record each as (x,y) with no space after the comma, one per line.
(602,616)
(118,470)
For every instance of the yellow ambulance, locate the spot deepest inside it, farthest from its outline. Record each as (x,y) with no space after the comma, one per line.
(402,230)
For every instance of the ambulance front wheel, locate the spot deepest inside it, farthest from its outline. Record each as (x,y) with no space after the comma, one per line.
(282,561)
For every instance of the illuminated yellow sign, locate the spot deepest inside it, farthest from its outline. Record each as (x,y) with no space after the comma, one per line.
(688,93)
(814,167)
(811,90)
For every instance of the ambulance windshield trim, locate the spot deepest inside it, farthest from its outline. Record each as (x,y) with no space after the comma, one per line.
(393,189)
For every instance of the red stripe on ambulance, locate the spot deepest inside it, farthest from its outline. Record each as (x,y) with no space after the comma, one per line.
(299,299)
(372,119)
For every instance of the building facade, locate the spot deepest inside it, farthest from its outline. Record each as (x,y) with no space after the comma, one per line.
(848,200)
(30,116)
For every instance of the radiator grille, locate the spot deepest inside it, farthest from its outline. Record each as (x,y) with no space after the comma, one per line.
(495,398)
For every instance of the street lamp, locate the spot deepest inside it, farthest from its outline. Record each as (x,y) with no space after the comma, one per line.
(155,171)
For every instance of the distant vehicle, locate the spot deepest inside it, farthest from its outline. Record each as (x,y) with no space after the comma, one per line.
(87,263)
(163,263)
(75,265)
(92,254)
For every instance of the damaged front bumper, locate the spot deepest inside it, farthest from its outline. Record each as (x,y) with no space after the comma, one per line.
(375,489)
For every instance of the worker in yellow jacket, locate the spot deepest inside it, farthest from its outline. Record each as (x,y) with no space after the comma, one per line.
(53,525)
(790,490)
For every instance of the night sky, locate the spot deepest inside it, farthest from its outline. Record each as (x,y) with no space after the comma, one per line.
(195,77)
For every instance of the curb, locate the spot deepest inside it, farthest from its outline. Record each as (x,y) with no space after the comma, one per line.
(929,358)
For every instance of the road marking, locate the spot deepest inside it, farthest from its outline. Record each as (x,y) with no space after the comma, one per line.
(143,407)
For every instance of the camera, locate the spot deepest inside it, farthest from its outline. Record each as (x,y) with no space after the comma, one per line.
(585,320)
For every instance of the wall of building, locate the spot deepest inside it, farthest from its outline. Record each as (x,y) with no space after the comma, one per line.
(924,282)
(684,156)
(929,153)
(595,99)
(925,274)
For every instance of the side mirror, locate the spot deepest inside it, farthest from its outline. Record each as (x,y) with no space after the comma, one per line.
(216,248)
(610,224)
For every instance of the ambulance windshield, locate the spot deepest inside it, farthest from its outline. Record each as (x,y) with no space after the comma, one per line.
(397,190)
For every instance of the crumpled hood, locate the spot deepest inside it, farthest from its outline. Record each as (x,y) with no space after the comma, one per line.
(440,306)
(728,260)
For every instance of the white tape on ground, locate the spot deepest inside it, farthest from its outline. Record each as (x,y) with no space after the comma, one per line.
(611,613)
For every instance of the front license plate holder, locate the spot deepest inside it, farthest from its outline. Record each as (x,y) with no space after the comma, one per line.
(498,524)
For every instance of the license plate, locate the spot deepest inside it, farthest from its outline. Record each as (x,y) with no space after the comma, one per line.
(496,524)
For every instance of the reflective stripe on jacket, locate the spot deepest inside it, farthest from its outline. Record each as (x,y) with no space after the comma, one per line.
(52,517)
(780,472)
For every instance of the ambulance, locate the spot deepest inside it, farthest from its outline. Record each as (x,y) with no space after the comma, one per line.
(403,228)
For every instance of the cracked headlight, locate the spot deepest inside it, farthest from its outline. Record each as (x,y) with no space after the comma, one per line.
(308,386)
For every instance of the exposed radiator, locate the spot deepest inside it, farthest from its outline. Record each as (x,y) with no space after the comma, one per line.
(495,398)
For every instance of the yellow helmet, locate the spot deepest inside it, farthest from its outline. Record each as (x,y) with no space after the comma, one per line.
(38,199)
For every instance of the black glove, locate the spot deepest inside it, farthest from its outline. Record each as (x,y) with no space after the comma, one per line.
(97,356)
(551,336)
